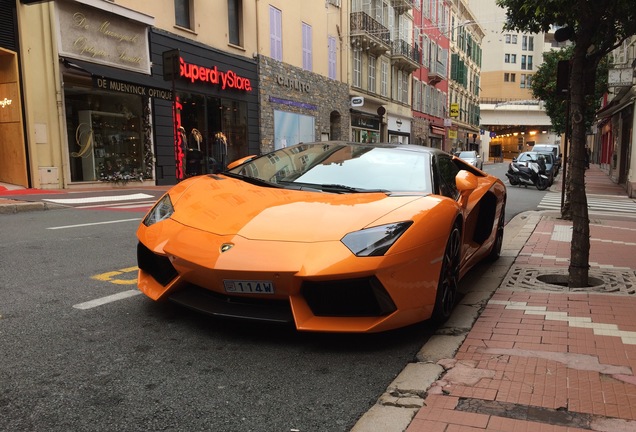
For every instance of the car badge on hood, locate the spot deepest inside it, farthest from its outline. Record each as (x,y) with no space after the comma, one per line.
(226,247)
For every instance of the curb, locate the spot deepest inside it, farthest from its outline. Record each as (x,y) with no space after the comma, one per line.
(22,207)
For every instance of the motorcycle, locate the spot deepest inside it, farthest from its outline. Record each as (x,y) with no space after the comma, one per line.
(532,174)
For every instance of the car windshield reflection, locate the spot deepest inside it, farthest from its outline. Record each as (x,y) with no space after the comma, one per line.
(342,168)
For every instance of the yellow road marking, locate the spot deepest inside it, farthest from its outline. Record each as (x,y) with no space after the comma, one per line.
(113,278)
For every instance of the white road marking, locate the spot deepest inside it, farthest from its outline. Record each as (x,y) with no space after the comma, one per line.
(119,205)
(94,223)
(97,199)
(108,299)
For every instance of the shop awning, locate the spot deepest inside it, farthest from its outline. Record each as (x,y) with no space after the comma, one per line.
(614,107)
(437,130)
(121,80)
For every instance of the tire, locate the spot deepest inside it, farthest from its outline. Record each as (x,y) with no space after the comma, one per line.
(495,252)
(513,182)
(448,279)
(542,184)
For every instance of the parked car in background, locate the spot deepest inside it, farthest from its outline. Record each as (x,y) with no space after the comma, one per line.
(552,148)
(472,157)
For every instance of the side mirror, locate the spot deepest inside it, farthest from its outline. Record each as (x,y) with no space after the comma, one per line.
(466,182)
(241,161)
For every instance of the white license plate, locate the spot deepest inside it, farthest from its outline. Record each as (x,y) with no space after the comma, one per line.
(249,286)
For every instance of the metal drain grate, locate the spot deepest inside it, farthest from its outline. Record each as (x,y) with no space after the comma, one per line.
(613,281)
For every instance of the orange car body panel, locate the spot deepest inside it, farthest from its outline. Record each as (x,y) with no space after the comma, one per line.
(309,245)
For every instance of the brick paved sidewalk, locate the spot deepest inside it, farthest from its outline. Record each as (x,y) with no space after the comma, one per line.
(547,360)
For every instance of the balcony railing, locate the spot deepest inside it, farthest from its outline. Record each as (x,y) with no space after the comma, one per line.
(402,5)
(436,72)
(405,55)
(369,33)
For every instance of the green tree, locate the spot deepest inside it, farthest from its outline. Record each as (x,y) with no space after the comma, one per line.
(597,28)
(544,88)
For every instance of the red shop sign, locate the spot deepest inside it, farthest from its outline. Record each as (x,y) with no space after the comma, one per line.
(227,80)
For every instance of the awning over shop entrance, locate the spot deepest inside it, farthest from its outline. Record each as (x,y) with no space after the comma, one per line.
(120,80)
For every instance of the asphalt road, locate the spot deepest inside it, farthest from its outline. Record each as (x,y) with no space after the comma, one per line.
(74,358)
(520,198)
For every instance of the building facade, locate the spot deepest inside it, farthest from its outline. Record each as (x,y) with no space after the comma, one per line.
(466,38)
(430,81)
(103,106)
(382,55)
(301,68)
(613,140)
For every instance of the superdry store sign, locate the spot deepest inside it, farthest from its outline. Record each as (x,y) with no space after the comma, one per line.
(226,80)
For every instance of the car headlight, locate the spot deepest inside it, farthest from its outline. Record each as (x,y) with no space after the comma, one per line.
(375,241)
(163,209)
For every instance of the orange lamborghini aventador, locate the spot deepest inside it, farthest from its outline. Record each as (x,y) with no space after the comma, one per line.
(327,236)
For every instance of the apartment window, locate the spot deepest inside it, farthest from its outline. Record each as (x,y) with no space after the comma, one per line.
(508,38)
(522,81)
(513,77)
(307,43)
(523,62)
(234,21)
(405,87)
(357,68)
(384,78)
(332,56)
(514,39)
(507,58)
(527,43)
(275,33)
(513,58)
(371,79)
(506,77)
(528,81)
(182,13)
(529,62)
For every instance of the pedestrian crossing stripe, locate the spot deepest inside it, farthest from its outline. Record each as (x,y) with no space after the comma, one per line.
(617,205)
(97,199)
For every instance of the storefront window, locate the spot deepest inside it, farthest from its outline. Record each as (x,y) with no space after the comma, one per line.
(213,132)
(106,139)
(366,136)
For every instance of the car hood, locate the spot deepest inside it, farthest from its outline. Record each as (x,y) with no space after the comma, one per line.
(226,206)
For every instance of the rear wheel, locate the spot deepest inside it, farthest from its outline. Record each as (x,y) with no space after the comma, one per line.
(448,278)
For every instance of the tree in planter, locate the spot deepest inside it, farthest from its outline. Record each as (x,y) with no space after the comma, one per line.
(544,87)
(598,27)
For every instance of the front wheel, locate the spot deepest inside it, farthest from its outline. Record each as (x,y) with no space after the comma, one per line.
(448,278)
(542,183)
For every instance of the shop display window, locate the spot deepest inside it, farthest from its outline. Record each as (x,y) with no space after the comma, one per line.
(108,136)
(213,132)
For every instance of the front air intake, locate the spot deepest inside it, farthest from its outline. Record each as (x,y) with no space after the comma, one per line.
(364,297)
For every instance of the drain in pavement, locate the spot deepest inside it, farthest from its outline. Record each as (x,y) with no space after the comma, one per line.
(555,279)
(558,417)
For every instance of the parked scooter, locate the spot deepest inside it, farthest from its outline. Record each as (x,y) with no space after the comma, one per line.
(532,174)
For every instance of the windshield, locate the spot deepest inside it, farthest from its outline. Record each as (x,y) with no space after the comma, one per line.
(338,167)
(467,155)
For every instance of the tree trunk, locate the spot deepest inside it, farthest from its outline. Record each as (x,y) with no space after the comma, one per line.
(580,246)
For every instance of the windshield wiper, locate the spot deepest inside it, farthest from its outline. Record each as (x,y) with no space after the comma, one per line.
(338,188)
(252,180)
